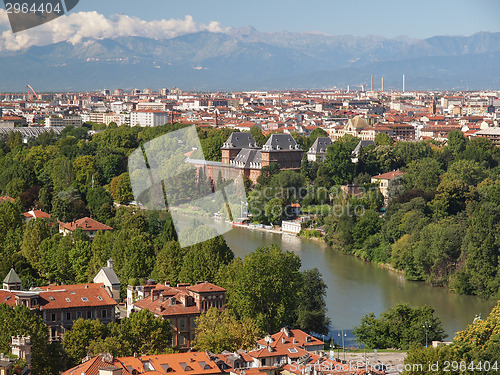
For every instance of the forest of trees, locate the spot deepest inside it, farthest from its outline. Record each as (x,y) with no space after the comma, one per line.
(73,175)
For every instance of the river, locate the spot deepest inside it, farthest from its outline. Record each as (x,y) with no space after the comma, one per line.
(356,288)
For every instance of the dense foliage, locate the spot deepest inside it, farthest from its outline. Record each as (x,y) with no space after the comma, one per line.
(399,328)
(74,175)
(268,286)
(476,350)
(141,333)
(21,321)
(218,331)
(442,221)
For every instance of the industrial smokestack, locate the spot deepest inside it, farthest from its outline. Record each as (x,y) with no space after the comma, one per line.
(382,83)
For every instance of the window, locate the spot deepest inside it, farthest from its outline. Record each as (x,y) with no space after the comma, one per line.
(99,298)
(68,316)
(68,300)
(89,314)
(85,299)
(263,361)
(51,298)
(182,324)
(78,314)
(104,313)
(53,317)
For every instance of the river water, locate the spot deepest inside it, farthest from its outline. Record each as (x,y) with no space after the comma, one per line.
(356,288)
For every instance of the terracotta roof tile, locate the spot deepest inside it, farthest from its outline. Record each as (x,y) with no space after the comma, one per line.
(86,224)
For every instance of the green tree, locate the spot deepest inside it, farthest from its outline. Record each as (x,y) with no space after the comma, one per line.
(264,286)
(143,333)
(274,210)
(218,331)
(202,261)
(423,174)
(79,258)
(76,341)
(21,321)
(456,142)
(68,205)
(382,139)
(311,309)
(85,170)
(267,173)
(36,231)
(399,327)
(121,189)
(339,164)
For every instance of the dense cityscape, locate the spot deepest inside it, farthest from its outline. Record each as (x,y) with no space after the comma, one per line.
(263,188)
(91,284)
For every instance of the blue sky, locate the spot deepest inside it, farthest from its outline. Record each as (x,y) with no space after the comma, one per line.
(389,18)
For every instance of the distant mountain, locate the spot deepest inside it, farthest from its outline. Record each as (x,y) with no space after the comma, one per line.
(245,59)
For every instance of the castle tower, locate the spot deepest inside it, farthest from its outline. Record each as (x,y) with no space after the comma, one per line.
(12,281)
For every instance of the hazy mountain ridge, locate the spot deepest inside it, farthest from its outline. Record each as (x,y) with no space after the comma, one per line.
(248,59)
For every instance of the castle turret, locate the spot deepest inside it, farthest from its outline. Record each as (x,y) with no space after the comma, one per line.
(12,281)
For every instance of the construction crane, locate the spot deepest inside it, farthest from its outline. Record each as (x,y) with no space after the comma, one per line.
(30,96)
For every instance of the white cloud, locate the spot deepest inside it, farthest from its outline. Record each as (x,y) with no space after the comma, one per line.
(79,26)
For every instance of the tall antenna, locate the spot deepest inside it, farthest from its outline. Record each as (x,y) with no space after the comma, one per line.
(403,83)
(371,81)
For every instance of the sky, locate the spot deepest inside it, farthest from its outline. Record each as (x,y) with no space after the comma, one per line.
(169,18)
(389,18)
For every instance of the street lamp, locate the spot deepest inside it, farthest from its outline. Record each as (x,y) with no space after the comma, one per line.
(343,346)
(426,327)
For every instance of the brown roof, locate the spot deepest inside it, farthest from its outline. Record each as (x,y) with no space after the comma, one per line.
(388,175)
(37,214)
(6,198)
(193,363)
(8,297)
(295,336)
(205,287)
(80,295)
(91,367)
(86,224)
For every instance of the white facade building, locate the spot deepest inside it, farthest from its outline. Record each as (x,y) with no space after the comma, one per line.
(148,118)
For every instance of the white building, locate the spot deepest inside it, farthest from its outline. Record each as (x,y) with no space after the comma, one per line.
(148,118)
(64,121)
(291,226)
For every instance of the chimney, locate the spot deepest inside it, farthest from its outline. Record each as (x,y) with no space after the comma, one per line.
(110,263)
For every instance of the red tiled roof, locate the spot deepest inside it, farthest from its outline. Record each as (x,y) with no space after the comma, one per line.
(7,297)
(86,224)
(6,198)
(199,363)
(205,287)
(80,295)
(37,214)
(162,307)
(296,337)
(91,367)
(388,175)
